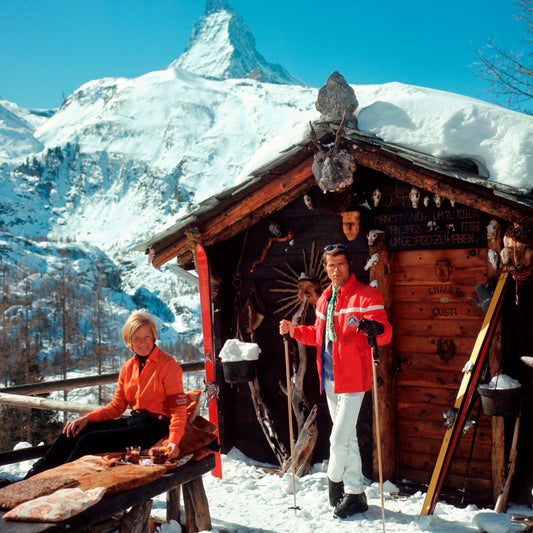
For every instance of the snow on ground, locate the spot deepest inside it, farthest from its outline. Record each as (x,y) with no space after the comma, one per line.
(248,500)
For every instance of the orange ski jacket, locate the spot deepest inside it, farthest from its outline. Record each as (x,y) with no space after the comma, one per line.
(159,390)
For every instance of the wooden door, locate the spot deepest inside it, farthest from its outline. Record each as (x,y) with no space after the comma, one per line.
(436,323)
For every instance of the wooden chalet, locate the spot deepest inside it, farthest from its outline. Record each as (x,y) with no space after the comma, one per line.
(436,226)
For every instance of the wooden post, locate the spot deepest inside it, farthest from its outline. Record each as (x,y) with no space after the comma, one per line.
(497,455)
(380,273)
(136,519)
(173,504)
(197,515)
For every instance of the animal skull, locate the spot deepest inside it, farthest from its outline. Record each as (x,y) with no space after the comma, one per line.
(372,236)
(492,229)
(372,261)
(333,169)
(376,197)
(275,229)
(438,200)
(414,196)
(493,259)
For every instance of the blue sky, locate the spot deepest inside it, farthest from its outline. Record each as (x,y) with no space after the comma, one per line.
(48,48)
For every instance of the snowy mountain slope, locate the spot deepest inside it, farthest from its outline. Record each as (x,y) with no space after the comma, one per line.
(17,126)
(147,149)
(222,29)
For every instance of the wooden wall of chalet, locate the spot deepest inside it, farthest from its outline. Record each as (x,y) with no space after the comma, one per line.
(436,325)
(438,254)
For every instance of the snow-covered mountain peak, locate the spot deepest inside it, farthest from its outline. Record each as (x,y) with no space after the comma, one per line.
(221,46)
(214,6)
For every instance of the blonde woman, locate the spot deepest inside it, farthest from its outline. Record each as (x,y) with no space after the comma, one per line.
(150,383)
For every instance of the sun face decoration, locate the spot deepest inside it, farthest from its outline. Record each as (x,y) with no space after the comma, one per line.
(299,287)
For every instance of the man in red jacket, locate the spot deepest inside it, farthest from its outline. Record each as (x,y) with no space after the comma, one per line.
(350,316)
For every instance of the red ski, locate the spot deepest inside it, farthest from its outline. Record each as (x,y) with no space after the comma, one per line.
(465,397)
(204,281)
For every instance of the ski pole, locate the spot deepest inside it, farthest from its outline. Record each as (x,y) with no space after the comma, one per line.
(375,357)
(289,403)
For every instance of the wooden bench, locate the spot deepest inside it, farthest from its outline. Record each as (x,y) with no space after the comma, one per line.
(129,511)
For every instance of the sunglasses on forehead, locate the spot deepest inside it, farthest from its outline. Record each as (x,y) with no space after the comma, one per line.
(331,247)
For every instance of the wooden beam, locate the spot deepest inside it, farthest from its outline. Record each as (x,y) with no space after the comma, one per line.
(45,403)
(23,454)
(386,370)
(78,383)
(478,198)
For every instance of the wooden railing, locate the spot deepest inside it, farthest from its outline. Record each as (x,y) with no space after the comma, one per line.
(22,396)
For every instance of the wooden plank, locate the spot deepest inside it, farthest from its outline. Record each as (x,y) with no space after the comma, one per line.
(45,403)
(428,344)
(434,292)
(454,481)
(426,442)
(24,454)
(498,462)
(136,519)
(416,394)
(430,362)
(412,275)
(478,467)
(77,383)
(194,492)
(173,504)
(461,260)
(422,378)
(451,329)
(432,429)
(435,311)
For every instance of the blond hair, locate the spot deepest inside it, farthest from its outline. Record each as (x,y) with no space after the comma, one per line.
(137,320)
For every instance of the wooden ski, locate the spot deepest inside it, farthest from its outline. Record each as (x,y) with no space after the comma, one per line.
(463,402)
(204,281)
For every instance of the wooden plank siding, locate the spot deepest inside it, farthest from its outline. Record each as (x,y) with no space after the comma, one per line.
(426,311)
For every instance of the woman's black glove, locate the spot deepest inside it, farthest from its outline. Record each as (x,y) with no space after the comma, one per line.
(371,328)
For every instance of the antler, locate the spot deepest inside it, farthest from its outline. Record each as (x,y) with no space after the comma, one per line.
(315,140)
(339,132)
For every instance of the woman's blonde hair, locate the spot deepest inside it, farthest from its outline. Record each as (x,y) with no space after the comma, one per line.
(137,320)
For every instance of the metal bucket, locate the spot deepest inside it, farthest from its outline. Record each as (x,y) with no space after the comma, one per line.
(238,371)
(500,402)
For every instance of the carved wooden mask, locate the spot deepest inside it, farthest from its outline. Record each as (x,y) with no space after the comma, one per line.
(351,222)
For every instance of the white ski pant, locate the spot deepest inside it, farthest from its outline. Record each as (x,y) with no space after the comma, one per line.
(344,457)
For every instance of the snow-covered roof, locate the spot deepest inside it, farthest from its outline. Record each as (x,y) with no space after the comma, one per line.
(463,170)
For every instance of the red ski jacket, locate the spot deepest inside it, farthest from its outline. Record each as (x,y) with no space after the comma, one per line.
(352,356)
(159,390)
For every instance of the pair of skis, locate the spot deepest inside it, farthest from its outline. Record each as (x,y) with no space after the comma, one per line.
(204,282)
(465,396)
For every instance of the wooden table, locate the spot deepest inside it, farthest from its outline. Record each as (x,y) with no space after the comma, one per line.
(114,513)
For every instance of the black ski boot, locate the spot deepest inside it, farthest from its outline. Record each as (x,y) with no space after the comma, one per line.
(336,492)
(351,504)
